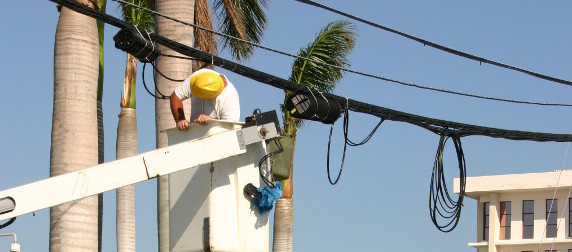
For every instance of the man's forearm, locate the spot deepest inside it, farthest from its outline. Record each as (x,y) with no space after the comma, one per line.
(177,108)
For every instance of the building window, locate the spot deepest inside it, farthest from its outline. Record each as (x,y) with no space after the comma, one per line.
(551,217)
(527,219)
(505,220)
(569,220)
(486,222)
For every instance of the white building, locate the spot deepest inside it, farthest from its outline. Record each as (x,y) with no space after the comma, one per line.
(517,212)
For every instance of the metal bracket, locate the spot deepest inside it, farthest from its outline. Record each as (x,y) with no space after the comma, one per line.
(240,137)
(257,133)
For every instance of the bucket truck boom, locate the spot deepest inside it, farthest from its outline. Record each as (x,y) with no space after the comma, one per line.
(111,175)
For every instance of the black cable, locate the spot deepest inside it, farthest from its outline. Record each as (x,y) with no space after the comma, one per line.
(350,70)
(176,56)
(145,85)
(164,76)
(8,223)
(263,160)
(366,139)
(441,47)
(441,205)
(354,71)
(328,159)
(435,125)
(347,142)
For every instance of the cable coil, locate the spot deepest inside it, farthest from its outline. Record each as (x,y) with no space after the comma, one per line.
(441,205)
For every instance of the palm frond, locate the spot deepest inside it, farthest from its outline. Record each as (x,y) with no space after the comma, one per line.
(141,18)
(319,63)
(243,19)
(327,54)
(204,40)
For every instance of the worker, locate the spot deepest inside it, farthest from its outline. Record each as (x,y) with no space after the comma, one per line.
(212,97)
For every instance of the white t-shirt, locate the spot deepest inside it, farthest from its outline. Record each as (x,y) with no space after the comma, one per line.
(226,106)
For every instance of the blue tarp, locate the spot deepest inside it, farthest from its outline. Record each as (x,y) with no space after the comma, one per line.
(269,196)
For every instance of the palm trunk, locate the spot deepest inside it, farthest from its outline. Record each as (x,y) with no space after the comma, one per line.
(74,144)
(100,160)
(284,213)
(126,146)
(174,68)
(283,225)
(100,131)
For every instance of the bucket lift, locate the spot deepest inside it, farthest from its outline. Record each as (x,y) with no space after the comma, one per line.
(209,165)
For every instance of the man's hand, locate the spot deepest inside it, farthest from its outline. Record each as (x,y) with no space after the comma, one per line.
(182,124)
(203,119)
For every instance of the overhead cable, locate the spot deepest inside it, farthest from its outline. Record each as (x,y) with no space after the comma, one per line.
(434,125)
(351,70)
(441,47)
(440,201)
(437,126)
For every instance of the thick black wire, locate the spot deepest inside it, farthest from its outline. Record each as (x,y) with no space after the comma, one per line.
(441,47)
(347,142)
(261,162)
(435,125)
(145,85)
(441,205)
(328,159)
(354,71)
(176,56)
(164,76)
(8,223)
(366,139)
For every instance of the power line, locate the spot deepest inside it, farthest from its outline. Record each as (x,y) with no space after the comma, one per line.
(441,127)
(350,70)
(441,47)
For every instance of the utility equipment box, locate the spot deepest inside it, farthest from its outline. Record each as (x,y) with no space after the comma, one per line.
(208,208)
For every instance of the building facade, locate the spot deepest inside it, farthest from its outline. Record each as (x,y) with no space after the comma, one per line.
(522,212)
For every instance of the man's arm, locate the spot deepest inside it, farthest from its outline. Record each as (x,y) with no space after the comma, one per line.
(178,112)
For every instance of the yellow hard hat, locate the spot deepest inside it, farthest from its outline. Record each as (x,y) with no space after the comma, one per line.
(206,85)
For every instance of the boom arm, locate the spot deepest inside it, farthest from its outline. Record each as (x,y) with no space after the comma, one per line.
(111,175)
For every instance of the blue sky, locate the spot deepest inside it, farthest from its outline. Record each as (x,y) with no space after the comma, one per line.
(381,201)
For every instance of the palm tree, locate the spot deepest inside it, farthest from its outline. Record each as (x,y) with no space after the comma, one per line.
(317,67)
(241,18)
(175,68)
(74,143)
(100,135)
(126,144)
